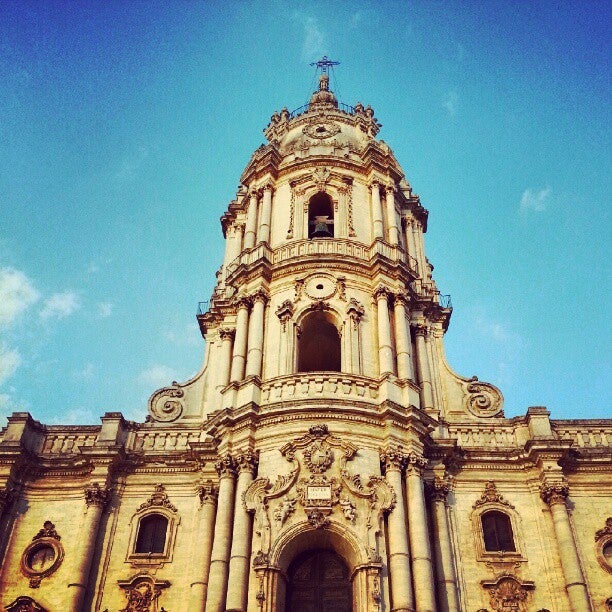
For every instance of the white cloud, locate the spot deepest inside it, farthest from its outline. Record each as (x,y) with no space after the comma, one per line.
(74,416)
(85,373)
(16,293)
(60,305)
(314,45)
(450,104)
(105,309)
(157,376)
(534,201)
(10,360)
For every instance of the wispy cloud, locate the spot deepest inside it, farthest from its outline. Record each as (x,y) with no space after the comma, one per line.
(451,102)
(60,305)
(10,360)
(17,292)
(157,376)
(314,45)
(130,165)
(105,309)
(536,201)
(188,336)
(87,372)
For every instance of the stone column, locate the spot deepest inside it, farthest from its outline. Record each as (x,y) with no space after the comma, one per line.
(402,338)
(251,222)
(423,368)
(96,497)
(385,351)
(402,597)
(240,345)
(377,222)
(555,495)
(242,534)
(420,251)
(392,216)
(355,312)
(410,245)
(266,214)
(203,542)
(233,244)
(256,335)
(226,335)
(219,558)
(448,597)
(418,532)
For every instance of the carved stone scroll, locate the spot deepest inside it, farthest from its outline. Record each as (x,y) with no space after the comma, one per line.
(508,594)
(142,592)
(483,399)
(166,404)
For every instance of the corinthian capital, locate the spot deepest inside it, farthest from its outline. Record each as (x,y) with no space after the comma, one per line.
(554,492)
(207,492)
(226,333)
(259,296)
(247,461)
(226,466)
(95,495)
(392,458)
(414,463)
(439,489)
(382,292)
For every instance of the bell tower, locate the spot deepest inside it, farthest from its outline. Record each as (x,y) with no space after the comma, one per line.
(325,361)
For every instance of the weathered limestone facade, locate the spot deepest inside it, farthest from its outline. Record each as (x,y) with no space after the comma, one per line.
(324,428)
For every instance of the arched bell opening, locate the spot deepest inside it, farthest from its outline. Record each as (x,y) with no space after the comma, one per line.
(320,216)
(318,344)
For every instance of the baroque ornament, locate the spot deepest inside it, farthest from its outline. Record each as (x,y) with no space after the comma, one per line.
(159,498)
(483,399)
(42,556)
(142,593)
(166,404)
(491,496)
(508,594)
(25,604)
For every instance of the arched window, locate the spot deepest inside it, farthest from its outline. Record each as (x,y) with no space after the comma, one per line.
(152,530)
(497,532)
(318,344)
(320,216)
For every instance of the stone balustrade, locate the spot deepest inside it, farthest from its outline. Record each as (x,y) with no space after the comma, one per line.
(67,443)
(336,247)
(588,436)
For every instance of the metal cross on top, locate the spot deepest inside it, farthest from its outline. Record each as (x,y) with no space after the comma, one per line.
(324,64)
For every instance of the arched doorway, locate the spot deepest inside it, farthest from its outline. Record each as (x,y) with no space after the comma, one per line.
(318,581)
(318,344)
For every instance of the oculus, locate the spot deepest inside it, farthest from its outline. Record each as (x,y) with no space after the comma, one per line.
(43,555)
(321,130)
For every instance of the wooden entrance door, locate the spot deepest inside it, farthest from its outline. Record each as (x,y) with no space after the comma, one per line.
(319,582)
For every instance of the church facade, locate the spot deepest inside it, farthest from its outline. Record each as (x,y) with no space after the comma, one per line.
(326,456)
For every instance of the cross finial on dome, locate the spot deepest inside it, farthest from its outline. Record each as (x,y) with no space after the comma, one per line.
(325,64)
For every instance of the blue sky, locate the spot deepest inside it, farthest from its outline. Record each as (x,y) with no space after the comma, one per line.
(125,127)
